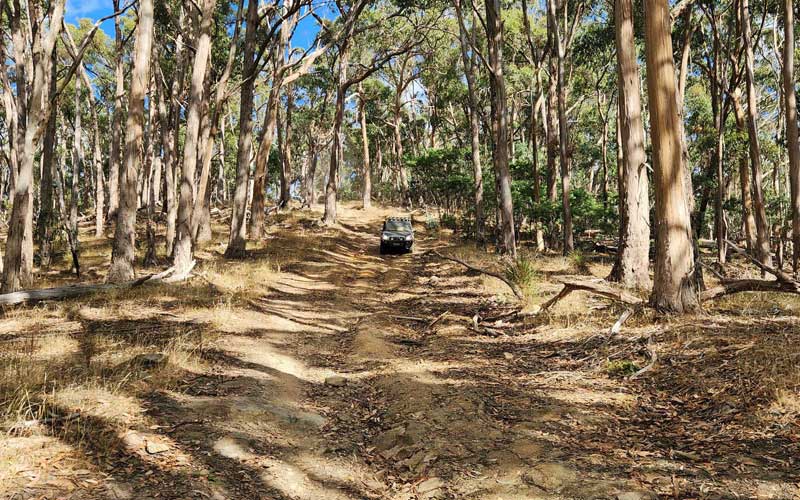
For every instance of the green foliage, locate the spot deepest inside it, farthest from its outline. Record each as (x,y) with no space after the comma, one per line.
(431,223)
(578,261)
(621,368)
(523,273)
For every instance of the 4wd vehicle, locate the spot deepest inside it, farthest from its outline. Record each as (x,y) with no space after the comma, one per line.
(397,234)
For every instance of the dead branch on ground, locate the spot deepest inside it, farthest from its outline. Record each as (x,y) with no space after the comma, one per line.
(595,288)
(513,286)
(73,291)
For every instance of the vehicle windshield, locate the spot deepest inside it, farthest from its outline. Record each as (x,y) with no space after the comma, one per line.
(397,225)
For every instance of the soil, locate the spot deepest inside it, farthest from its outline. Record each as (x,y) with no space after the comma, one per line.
(331,383)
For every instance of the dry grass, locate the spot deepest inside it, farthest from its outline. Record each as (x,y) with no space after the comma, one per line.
(79,357)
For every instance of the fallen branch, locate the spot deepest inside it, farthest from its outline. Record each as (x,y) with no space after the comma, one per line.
(651,351)
(595,288)
(617,327)
(739,286)
(771,270)
(438,319)
(513,286)
(73,291)
(411,318)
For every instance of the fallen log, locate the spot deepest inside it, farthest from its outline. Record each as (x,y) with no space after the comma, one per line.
(739,286)
(513,286)
(74,291)
(782,276)
(595,288)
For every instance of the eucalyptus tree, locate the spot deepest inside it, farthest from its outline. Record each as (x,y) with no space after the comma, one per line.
(632,267)
(373,60)
(500,127)
(467,39)
(185,231)
(759,210)
(792,143)
(123,252)
(212,121)
(34,31)
(673,287)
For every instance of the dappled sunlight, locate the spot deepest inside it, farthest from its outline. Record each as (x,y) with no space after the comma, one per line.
(100,402)
(354,376)
(271,358)
(291,480)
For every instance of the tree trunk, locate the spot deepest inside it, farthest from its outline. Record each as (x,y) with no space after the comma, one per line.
(286,150)
(97,159)
(497,86)
(123,252)
(759,211)
(46,219)
(468,60)
(262,161)
(184,251)
(366,192)
(77,168)
(552,125)
(171,140)
(674,288)
(634,247)
(18,260)
(792,143)
(337,147)
(563,128)
(748,220)
(237,240)
(201,220)
(116,120)
(308,180)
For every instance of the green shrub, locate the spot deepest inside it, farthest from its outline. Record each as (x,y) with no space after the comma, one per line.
(523,273)
(431,223)
(448,221)
(578,261)
(621,368)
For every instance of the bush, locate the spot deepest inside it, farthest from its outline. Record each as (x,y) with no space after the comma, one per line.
(448,221)
(431,223)
(621,368)
(578,262)
(523,273)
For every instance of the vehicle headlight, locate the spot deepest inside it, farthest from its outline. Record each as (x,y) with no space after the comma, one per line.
(384,237)
(409,237)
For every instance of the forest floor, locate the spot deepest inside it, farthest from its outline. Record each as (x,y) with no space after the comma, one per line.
(314,370)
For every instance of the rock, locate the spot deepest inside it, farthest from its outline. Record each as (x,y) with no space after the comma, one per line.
(335,381)
(434,280)
(508,356)
(429,485)
(154,447)
(149,360)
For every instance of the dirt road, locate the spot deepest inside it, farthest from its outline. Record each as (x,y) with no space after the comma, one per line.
(350,375)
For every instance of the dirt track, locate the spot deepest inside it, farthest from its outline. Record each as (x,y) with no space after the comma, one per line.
(332,385)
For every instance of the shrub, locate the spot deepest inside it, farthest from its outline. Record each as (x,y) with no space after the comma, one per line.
(578,261)
(621,368)
(523,273)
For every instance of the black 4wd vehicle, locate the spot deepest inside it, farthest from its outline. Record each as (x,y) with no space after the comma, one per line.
(397,234)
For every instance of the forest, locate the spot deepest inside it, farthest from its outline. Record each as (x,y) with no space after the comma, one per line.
(602,300)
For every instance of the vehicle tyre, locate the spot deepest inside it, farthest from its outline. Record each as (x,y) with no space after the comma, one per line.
(383,249)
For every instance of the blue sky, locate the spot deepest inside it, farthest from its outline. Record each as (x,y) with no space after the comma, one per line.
(96,9)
